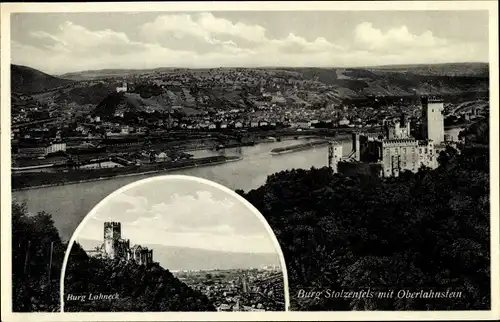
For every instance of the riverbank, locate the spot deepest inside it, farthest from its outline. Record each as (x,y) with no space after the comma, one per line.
(27,181)
(298,147)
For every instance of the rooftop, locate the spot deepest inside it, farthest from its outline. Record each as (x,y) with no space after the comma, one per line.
(432,99)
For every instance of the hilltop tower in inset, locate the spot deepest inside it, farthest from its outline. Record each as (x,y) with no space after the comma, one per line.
(432,119)
(114,247)
(112,234)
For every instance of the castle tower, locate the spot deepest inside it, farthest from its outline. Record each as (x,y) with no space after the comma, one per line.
(334,155)
(432,119)
(404,127)
(356,146)
(112,234)
(150,257)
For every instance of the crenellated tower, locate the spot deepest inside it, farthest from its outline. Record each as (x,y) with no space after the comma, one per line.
(112,235)
(432,119)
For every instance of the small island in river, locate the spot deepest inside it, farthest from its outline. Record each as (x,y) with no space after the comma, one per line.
(298,147)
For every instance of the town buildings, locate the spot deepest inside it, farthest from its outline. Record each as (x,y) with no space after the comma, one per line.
(123,88)
(239,289)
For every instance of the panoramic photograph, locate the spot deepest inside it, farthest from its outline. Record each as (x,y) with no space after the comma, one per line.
(362,137)
(173,244)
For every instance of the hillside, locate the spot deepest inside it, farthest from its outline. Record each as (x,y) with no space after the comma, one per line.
(29,80)
(103,73)
(134,102)
(139,288)
(36,289)
(400,80)
(451,69)
(445,69)
(184,258)
(206,90)
(419,231)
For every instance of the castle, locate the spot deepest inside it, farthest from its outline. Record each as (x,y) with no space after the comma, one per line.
(390,153)
(114,247)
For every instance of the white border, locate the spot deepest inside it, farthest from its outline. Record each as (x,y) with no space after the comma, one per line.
(167,178)
(5,191)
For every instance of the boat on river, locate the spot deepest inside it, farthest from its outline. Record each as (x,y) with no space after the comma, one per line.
(299,147)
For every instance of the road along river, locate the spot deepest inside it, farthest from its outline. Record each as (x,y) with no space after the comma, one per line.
(69,203)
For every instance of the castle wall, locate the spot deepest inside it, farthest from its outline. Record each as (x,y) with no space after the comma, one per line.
(363,168)
(121,248)
(334,155)
(355,146)
(109,248)
(370,149)
(146,256)
(400,155)
(136,254)
(408,154)
(428,155)
(398,131)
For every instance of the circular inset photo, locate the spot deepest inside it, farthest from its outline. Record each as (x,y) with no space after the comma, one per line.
(173,243)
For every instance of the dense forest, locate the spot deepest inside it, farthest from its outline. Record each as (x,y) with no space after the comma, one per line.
(35,287)
(423,231)
(35,275)
(139,288)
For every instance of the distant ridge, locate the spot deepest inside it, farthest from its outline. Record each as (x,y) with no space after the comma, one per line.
(419,65)
(110,72)
(185,258)
(465,68)
(29,80)
(475,69)
(98,87)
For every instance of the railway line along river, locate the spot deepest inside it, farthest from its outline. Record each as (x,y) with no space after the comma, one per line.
(69,203)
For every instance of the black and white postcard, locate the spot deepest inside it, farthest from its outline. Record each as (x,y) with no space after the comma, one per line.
(256,160)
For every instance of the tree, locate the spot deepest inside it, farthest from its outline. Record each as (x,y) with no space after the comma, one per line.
(35,278)
(140,288)
(447,156)
(34,237)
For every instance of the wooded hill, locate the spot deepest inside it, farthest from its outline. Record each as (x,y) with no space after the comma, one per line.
(424,231)
(35,287)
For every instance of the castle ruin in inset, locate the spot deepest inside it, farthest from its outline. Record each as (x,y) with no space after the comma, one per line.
(114,247)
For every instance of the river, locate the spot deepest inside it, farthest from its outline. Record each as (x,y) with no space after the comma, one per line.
(69,204)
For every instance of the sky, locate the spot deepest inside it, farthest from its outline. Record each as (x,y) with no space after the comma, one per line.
(57,43)
(181,213)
